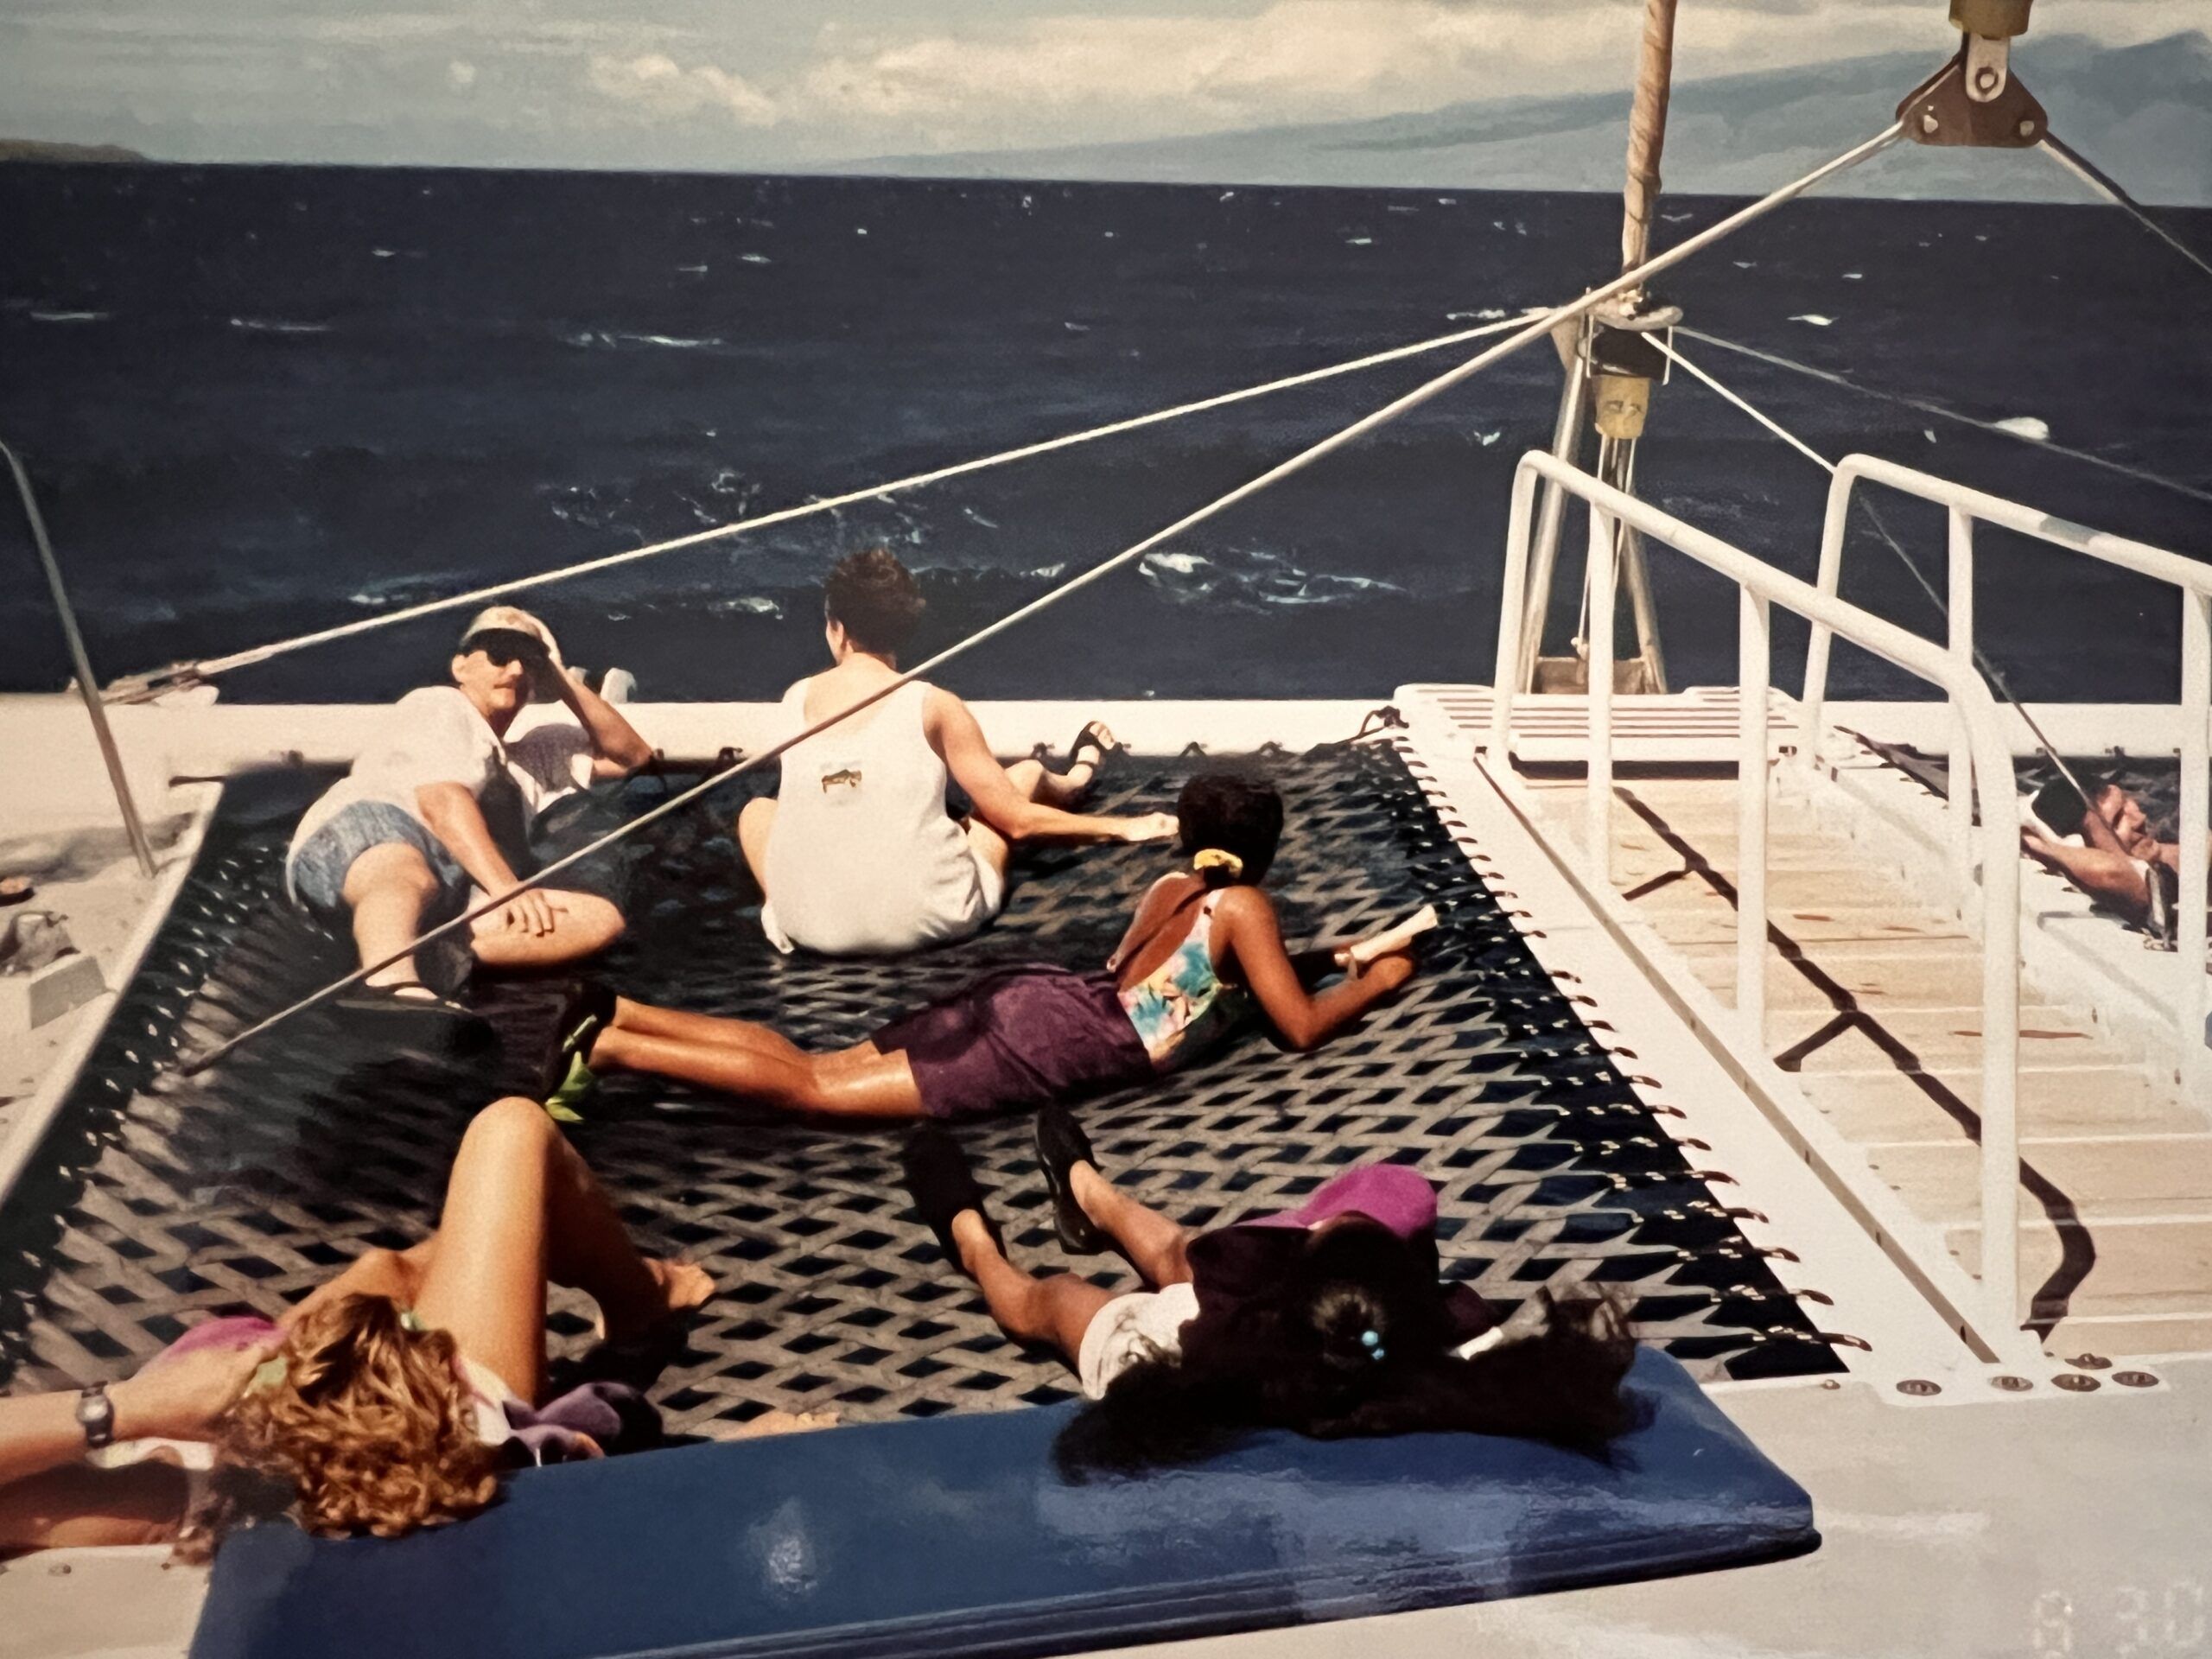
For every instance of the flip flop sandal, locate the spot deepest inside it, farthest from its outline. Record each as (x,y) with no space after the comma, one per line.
(14,889)
(569,1081)
(396,1016)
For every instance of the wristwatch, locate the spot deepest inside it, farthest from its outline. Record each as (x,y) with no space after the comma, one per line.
(96,1416)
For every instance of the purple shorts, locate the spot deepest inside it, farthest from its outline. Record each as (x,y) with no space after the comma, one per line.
(1015,1037)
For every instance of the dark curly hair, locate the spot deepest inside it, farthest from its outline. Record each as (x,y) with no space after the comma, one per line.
(875,598)
(1235,813)
(1356,1342)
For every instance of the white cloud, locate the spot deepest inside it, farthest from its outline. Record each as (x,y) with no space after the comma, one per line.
(461,73)
(1077,76)
(654,83)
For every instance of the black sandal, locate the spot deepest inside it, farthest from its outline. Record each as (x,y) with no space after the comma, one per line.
(409,999)
(1094,736)
(1061,1145)
(942,1185)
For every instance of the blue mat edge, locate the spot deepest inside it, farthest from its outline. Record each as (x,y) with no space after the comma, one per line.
(262,1562)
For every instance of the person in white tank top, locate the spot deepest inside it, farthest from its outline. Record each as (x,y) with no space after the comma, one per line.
(858,855)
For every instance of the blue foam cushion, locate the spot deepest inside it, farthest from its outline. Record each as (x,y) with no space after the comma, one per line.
(955,1535)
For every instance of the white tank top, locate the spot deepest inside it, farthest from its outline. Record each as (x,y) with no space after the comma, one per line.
(863,857)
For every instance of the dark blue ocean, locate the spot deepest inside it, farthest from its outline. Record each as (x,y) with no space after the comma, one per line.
(260,400)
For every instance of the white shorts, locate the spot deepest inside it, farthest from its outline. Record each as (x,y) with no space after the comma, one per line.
(1144,1325)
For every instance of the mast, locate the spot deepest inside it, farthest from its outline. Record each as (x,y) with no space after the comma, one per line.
(1609,371)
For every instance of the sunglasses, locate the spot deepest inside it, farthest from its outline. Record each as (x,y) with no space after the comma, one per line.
(502,646)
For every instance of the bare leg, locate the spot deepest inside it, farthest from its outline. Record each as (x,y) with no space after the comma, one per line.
(754,820)
(646,1021)
(387,887)
(584,925)
(1028,1309)
(850,1084)
(77,1505)
(521,1207)
(1156,1247)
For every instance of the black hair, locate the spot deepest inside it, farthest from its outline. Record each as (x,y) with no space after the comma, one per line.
(1233,813)
(2061,806)
(875,598)
(1354,1342)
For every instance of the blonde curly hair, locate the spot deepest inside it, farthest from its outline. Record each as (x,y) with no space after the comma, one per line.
(371,1429)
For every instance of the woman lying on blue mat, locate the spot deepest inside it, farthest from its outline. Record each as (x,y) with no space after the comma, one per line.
(1203,948)
(385,1400)
(1328,1319)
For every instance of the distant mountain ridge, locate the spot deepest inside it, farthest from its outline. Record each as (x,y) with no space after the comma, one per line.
(33,149)
(2144,113)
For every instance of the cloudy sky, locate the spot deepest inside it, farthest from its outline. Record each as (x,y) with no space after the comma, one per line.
(769,84)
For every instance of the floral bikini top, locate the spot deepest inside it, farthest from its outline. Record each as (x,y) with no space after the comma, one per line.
(1183,1006)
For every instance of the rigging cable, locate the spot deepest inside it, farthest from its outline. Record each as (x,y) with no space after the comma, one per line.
(1981,658)
(1535,329)
(215,665)
(1832,377)
(2102,182)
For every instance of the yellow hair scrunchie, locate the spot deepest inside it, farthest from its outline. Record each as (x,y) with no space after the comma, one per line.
(1214,858)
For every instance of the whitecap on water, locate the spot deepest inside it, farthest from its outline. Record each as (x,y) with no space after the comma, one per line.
(1047,572)
(1488,438)
(1183,564)
(974,517)
(1359,241)
(1854,276)
(1812,317)
(756,258)
(1077,327)
(277,325)
(69,316)
(2025,426)
(693,270)
(745,605)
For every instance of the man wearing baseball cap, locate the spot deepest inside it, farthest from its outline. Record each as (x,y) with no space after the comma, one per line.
(438,802)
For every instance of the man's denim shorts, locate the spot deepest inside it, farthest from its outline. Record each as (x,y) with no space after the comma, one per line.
(317,872)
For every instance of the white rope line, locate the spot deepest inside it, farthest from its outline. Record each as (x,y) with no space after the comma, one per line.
(1936,599)
(1765,419)
(2094,176)
(1535,329)
(1924,407)
(830,504)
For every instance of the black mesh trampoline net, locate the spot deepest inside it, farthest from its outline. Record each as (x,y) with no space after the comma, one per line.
(157,1201)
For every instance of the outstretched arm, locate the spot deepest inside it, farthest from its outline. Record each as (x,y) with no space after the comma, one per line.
(954,733)
(1254,937)
(2110,877)
(179,1400)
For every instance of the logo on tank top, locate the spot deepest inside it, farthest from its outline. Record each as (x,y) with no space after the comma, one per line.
(842,777)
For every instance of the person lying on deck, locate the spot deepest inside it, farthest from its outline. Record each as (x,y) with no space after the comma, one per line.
(440,800)
(1328,1319)
(2121,863)
(386,1400)
(1204,948)
(858,856)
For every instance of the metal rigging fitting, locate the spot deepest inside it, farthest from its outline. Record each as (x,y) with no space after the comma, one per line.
(1974,101)
(1624,364)
(1989,27)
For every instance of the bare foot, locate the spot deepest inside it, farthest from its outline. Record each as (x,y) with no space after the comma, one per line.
(676,1286)
(771,1422)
